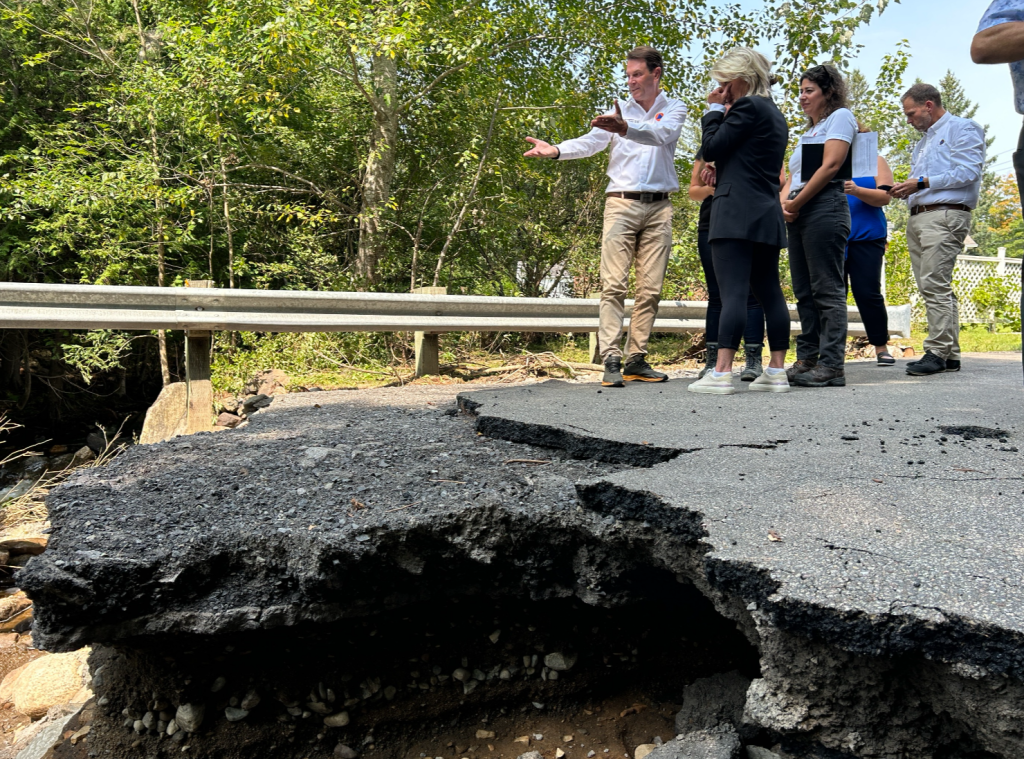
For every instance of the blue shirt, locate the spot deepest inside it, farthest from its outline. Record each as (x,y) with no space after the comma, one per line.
(1001,12)
(867,222)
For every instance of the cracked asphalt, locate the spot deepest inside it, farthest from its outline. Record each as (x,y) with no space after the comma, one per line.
(895,500)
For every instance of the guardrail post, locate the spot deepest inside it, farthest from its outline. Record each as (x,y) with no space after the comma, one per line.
(199,391)
(426,343)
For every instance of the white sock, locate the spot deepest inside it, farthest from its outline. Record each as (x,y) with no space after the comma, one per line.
(718,374)
(773,372)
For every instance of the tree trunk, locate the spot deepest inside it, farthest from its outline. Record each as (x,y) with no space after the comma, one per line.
(158,227)
(380,169)
(227,214)
(470,196)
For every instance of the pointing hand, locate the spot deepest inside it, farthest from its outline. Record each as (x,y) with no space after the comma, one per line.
(611,123)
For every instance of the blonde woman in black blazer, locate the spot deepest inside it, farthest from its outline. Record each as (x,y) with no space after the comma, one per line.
(745,135)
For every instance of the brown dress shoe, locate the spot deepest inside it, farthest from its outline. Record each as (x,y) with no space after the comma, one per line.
(800,366)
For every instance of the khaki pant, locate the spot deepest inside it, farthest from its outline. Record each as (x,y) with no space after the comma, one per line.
(935,239)
(633,232)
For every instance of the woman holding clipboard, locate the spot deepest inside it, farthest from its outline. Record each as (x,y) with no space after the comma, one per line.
(818,222)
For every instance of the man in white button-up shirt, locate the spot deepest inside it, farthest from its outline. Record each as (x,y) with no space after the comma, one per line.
(943,189)
(642,135)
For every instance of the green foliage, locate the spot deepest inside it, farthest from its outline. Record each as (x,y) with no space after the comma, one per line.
(900,286)
(302,354)
(995,296)
(263,145)
(96,351)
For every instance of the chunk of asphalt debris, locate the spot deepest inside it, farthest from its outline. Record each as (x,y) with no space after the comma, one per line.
(531,755)
(713,701)
(256,402)
(700,744)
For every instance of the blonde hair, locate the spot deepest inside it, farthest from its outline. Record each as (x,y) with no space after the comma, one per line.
(747,65)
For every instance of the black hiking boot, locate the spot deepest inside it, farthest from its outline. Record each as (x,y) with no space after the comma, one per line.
(613,373)
(753,369)
(637,368)
(821,376)
(710,359)
(800,366)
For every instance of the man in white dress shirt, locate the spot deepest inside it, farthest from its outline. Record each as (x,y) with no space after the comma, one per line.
(943,189)
(641,134)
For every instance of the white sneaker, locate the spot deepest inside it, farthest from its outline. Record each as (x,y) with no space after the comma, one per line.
(769,384)
(709,383)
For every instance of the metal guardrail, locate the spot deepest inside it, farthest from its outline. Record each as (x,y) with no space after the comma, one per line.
(24,305)
(200,310)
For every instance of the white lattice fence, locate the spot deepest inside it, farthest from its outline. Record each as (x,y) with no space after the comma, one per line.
(971,270)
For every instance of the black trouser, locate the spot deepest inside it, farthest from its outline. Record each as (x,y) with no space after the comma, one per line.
(817,242)
(864,276)
(754,332)
(1018,165)
(743,266)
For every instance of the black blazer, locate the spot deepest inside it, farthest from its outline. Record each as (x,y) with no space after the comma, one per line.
(748,146)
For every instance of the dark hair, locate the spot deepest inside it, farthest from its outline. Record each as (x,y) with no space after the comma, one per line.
(921,93)
(648,55)
(832,85)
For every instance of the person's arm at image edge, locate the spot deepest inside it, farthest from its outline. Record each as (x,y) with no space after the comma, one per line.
(1002,43)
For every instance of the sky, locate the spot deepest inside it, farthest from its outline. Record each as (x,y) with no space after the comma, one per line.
(939,33)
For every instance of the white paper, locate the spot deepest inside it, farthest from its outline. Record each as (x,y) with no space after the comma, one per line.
(865,154)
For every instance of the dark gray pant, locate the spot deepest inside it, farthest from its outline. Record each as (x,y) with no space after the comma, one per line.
(817,243)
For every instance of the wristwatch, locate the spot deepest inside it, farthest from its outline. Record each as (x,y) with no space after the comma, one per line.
(920,183)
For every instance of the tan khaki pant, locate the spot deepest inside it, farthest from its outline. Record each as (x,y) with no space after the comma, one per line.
(633,232)
(935,239)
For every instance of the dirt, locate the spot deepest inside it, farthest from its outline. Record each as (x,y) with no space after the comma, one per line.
(642,654)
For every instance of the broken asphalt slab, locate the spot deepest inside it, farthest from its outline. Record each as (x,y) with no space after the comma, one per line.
(884,517)
(866,540)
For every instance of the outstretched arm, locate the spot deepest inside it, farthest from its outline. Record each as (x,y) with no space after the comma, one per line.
(540,149)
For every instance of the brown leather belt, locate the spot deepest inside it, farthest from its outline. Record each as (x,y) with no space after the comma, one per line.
(643,197)
(939,207)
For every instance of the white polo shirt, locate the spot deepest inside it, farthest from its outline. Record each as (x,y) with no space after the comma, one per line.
(643,160)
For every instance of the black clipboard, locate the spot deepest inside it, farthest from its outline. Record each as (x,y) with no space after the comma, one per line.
(813,155)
